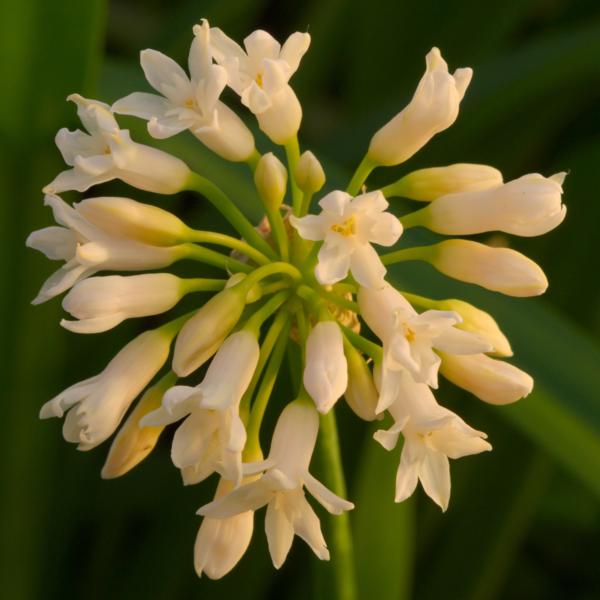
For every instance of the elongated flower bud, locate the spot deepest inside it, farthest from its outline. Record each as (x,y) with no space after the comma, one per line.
(528,206)
(491,380)
(326,372)
(309,174)
(281,121)
(479,322)
(134,443)
(433,108)
(101,303)
(270,178)
(498,269)
(202,335)
(134,220)
(428,184)
(361,393)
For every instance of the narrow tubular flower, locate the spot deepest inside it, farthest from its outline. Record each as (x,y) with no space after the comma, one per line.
(260,75)
(221,543)
(96,405)
(101,303)
(347,227)
(433,108)
(432,434)
(361,393)
(528,206)
(212,436)
(281,487)
(189,102)
(106,152)
(498,269)
(326,371)
(87,249)
(493,381)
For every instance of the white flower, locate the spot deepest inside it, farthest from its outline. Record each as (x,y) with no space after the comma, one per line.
(409,338)
(498,269)
(326,372)
(281,487)
(347,226)
(433,108)
(212,436)
(432,435)
(97,405)
(260,75)
(87,249)
(428,184)
(189,102)
(101,303)
(491,380)
(107,152)
(528,206)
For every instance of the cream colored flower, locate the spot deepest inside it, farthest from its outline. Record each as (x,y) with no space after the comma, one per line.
(347,227)
(106,152)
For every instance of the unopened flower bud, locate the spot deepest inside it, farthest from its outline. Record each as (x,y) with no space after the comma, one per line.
(255,292)
(270,178)
(361,394)
(133,443)
(491,380)
(428,184)
(125,217)
(309,174)
(203,333)
(479,322)
(498,269)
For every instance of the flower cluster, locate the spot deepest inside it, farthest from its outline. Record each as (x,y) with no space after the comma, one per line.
(303,284)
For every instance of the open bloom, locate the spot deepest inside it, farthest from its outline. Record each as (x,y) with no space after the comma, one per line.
(106,152)
(212,436)
(281,487)
(101,303)
(409,339)
(528,206)
(347,227)
(96,405)
(432,435)
(189,102)
(260,76)
(433,108)
(87,249)
(326,371)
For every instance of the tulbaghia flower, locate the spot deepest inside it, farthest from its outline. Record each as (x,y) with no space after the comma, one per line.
(281,487)
(409,338)
(87,249)
(106,152)
(189,102)
(101,303)
(260,75)
(528,206)
(433,108)
(221,543)
(347,227)
(212,436)
(432,435)
(96,405)
(326,371)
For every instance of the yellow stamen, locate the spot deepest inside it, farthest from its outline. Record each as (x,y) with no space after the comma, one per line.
(189,102)
(347,228)
(259,79)
(409,334)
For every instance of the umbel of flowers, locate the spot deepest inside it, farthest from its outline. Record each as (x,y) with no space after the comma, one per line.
(310,285)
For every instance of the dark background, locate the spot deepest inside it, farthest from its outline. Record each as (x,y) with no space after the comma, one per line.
(524,521)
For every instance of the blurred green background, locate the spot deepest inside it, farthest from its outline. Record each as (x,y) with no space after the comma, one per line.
(524,521)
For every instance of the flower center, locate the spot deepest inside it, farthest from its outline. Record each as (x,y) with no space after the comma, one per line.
(409,334)
(347,228)
(259,80)
(189,103)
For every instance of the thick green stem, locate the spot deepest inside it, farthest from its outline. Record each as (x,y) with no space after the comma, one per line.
(417,253)
(305,205)
(203,285)
(342,552)
(265,311)
(337,299)
(253,159)
(360,176)
(292,152)
(362,343)
(421,301)
(230,211)
(272,269)
(210,257)
(220,239)
(279,233)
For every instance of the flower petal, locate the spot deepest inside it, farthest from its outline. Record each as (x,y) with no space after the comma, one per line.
(434,474)
(142,105)
(325,497)
(366,267)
